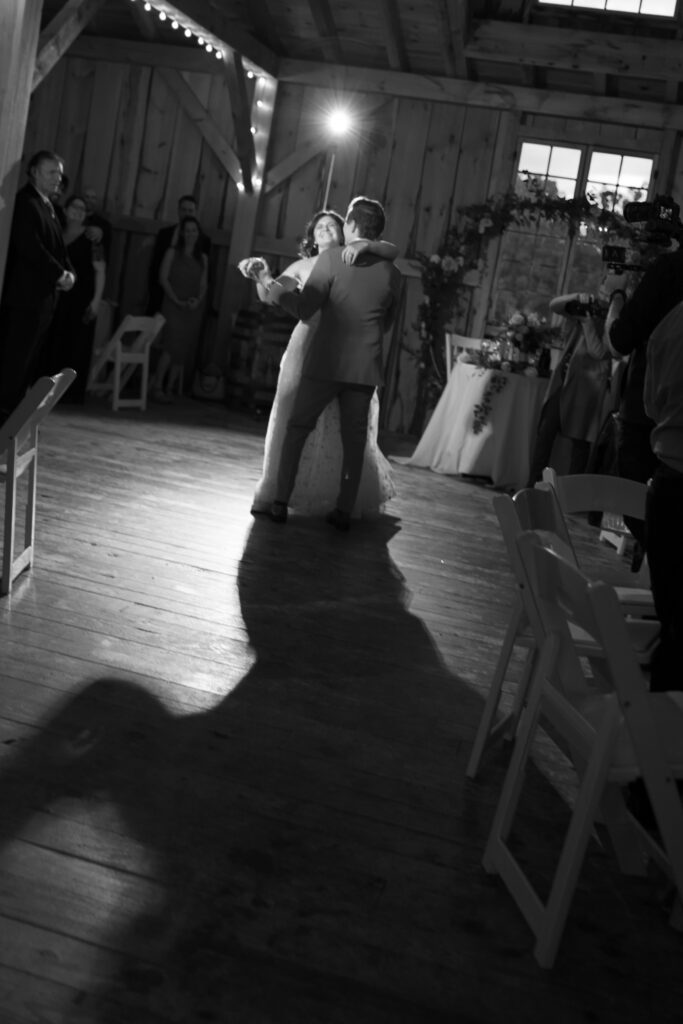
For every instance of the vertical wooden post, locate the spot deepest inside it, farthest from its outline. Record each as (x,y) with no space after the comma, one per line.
(19,31)
(244,226)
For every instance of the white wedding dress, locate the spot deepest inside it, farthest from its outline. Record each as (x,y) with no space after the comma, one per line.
(318,477)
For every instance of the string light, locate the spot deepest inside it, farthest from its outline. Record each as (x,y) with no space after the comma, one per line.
(167,12)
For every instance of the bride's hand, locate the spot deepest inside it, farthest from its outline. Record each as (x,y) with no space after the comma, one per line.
(253,267)
(352,251)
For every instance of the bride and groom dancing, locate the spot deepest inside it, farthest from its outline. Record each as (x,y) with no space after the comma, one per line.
(321,443)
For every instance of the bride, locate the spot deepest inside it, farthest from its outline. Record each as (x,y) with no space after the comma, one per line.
(317,481)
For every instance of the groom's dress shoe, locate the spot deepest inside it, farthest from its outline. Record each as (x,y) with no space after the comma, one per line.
(278,512)
(340,520)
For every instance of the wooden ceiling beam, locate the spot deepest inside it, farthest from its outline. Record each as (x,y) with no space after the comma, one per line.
(519,99)
(58,36)
(148,54)
(454,16)
(393,36)
(202,121)
(209,15)
(576,50)
(327,30)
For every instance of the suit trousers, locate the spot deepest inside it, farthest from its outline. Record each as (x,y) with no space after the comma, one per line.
(22,336)
(312,397)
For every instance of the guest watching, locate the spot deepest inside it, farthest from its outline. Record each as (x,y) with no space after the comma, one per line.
(98,228)
(38,269)
(663,401)
(166,239)
(183,279)
(71,335)
(630,322)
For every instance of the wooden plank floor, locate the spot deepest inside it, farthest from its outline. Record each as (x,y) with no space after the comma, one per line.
(232,758)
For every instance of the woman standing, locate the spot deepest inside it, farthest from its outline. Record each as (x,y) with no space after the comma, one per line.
(72,332)
(317,480)
(183,277)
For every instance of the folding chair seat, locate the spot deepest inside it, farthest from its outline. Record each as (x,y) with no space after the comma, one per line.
(615,496)
(535,509)
(19,449)
(612,739)
(126,351)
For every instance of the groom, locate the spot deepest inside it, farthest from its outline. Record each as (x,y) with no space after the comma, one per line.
(357,304)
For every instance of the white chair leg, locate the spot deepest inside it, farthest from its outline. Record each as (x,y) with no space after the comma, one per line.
(10,515)
(486,729)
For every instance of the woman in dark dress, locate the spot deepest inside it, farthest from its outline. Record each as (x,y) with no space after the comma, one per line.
(183,277)
(72,332)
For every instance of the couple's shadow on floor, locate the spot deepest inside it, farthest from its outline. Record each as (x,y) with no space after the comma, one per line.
(274,820)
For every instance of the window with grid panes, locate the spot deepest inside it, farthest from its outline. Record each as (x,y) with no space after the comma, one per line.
(536,263)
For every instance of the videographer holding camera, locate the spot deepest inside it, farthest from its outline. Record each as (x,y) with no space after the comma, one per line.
(579,384)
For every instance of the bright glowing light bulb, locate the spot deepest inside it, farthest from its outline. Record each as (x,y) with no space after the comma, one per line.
(339,121)
(218,54)
(174,24)
(240,186)
(148,7)
(209,48)
(252,130)
(162,15)
(250,74)
(188,32)
(200,40)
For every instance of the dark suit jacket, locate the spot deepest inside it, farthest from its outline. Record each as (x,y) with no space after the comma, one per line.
(36,258)
(357,304)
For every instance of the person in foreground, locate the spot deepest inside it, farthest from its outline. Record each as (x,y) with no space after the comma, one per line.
(663,403)
(319,468)
(38,270)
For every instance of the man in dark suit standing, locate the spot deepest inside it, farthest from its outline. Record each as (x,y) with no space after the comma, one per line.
(38,268)
(357,303)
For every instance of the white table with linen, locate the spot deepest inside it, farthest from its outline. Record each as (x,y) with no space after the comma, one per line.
(502,448)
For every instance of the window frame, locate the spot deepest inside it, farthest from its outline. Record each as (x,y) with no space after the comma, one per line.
(587,149)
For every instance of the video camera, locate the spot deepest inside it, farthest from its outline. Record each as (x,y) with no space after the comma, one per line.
(661,226)
(585,305)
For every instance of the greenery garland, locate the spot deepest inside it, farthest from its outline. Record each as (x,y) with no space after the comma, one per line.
(463,251)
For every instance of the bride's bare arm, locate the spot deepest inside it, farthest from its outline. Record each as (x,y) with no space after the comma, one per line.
(387,250)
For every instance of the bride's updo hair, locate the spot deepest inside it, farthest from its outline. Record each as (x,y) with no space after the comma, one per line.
(307,245)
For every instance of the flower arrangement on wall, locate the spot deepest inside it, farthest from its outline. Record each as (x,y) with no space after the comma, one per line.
(448,273)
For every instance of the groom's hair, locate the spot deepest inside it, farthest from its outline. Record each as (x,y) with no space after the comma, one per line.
(368,216)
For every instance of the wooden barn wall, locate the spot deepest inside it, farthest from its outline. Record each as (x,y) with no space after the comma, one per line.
(120,128)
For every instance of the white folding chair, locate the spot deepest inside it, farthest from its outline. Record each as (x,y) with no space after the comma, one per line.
(533,509)
(19,449)
(454,344)
(612,738)
(127,350)
(614,495)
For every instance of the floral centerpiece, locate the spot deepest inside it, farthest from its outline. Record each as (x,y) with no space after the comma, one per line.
(528,332)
